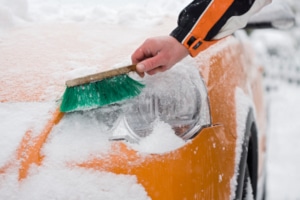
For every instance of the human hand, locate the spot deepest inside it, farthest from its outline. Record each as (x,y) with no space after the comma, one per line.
(158,54)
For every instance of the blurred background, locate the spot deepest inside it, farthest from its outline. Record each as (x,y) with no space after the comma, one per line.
(279,51)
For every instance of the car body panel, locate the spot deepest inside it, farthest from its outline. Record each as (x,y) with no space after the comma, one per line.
(204,168)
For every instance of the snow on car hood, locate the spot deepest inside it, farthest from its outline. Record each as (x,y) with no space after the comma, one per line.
(44,43)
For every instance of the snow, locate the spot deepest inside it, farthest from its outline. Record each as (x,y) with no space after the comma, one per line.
(283,158)
(28,32)
(278,49)
(279,52)
(243,104)
(24,115)
(159,140)
(59,182)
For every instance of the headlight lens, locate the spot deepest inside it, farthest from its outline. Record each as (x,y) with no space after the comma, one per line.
(174,107)
(177,97)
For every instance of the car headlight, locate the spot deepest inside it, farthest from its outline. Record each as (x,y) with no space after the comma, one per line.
(177,97)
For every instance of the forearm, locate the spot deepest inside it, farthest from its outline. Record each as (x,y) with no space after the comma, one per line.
(205,20)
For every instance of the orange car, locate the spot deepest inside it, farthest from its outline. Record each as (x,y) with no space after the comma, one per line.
(197,131)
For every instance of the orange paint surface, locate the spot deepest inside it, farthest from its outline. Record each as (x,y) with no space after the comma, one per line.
(202,169)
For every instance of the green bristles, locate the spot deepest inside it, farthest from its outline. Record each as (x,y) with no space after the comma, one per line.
(100,93)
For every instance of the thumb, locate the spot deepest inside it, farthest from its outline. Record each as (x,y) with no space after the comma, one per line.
(150,63)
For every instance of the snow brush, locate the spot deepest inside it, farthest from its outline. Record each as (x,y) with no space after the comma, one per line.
(100,89)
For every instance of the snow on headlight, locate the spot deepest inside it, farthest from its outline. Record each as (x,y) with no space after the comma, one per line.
(177,98)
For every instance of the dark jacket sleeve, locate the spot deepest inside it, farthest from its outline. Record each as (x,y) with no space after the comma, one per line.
(204,21)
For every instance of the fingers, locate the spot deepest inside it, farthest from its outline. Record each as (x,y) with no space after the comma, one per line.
(152,65)
(146,50)
(139,55)
(158,54)
(148,58)
(157,70)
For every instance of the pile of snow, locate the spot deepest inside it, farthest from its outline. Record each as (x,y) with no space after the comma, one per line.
(283,143)
(136,13)
(15,120)
(58,182)
(12,12)
(163,139)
